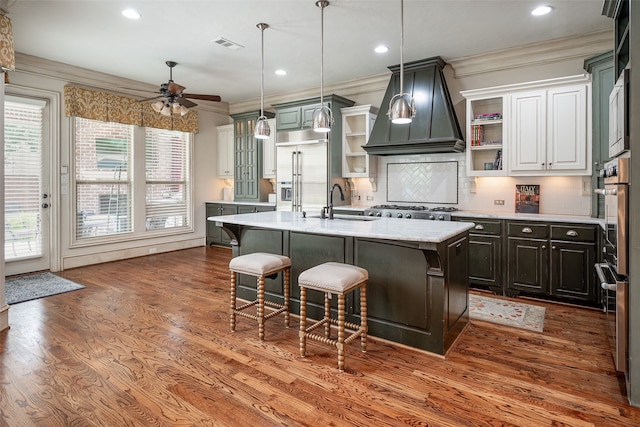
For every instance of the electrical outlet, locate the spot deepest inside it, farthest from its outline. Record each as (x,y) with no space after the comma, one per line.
(369,197)
(498,202)
(153,250)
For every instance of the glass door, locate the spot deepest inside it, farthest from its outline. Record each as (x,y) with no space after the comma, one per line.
(26,188)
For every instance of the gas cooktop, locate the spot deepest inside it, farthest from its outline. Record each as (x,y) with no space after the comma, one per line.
(441,213)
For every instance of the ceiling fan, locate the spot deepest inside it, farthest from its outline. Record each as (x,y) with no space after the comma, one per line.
(175,100)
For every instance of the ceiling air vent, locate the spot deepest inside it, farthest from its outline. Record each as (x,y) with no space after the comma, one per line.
(227,43)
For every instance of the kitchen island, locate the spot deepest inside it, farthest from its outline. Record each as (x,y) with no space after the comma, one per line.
(417,293)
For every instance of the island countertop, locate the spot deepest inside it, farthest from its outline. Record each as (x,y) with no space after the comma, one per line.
(346,225)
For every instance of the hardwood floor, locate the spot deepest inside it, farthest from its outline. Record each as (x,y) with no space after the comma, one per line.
(147,342)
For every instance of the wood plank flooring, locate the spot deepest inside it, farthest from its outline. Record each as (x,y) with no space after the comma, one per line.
(147,343)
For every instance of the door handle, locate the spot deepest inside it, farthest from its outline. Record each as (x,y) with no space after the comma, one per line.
(45,205)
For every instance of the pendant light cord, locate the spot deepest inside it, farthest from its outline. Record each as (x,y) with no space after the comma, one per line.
(322,6)
(262,71)
(401,46)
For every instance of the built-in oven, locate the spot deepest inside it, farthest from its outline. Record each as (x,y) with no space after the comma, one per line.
(614,268)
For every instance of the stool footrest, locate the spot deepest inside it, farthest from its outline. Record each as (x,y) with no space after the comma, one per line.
(280,309)
(355,330)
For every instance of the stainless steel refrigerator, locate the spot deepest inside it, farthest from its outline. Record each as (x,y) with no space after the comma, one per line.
(303,175)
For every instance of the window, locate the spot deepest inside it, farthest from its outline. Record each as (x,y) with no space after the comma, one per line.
(103,182)
(114,172)
(167,183)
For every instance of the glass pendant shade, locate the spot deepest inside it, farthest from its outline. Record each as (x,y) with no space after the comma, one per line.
(157,106)
(263,130)
(166,110)
(322,119)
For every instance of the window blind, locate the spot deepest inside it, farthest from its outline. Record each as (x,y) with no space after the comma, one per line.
(23,135)
(168,203)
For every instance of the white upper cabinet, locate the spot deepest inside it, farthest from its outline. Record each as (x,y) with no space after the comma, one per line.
(225,151)
(549,132)
(269,153)
(530,129)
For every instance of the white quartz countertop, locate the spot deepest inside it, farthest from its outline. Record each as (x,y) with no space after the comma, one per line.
(348,225)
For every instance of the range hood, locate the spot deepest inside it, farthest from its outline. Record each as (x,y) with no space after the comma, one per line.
(434,129)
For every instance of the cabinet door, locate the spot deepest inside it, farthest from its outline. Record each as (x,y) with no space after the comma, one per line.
(225,151)
(289,118)
(572,270)
(247,156)
(307,114)
(269,152)
(567,128)
(485,261)
(527,269)
(215,235)
(527,131)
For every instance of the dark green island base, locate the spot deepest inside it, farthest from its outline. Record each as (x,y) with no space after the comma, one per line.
(417,293)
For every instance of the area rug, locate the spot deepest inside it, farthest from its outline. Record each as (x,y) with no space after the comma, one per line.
(504,312)
(34,286)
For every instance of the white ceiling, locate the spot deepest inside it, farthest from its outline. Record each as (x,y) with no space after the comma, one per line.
(94,35)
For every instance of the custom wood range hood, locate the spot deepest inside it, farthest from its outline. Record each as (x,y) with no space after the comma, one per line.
(435,128)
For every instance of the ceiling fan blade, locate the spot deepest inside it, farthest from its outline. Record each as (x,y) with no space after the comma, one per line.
(215,98)
(175,88)
(149,99)
(185,102)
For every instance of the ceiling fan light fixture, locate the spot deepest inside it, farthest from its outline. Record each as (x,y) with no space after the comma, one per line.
(402,107)
(322,117)
(166,110)
(157,106)
(263,130)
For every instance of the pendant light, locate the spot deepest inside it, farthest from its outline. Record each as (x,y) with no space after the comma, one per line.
(322,117)
(263,131)
(402,107)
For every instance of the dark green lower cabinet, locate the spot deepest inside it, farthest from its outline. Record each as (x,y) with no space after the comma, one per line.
(527,266)
(572,271)
(485,262)
(215,235)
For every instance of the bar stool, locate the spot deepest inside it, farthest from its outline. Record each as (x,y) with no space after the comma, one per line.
(260,265)
(340,279)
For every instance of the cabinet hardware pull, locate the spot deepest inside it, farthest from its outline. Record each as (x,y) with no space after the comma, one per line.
(527,230)
(479,227)
(572,233)
(544,246)
(553,247)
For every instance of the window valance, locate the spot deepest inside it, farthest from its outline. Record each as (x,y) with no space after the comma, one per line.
(107,107)
(7,53)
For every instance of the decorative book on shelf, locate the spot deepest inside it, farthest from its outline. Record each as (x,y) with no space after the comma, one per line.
(477,132)
(528,198)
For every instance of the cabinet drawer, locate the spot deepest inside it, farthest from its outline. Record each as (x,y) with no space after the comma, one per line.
(528,230)
(484,226)
(570,233)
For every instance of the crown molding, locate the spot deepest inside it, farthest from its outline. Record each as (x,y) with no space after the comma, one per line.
(69,74)
(346,89)
(558,50)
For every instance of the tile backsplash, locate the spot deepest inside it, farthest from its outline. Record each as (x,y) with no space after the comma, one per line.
(428,180)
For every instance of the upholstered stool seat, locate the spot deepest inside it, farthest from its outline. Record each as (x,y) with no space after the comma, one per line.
(260,265)
(340,279)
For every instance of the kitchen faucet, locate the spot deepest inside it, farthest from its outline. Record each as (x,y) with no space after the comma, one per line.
(329,208)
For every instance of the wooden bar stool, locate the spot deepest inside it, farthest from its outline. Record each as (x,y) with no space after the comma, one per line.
(340,279)
(260,265)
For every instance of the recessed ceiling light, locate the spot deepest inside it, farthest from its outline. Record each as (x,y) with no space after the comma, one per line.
(131,14)
(281,72)
(541,10)
(381,49)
